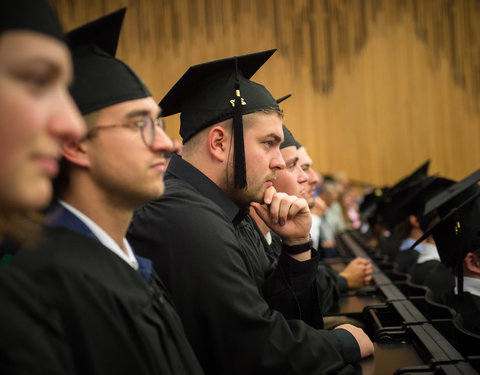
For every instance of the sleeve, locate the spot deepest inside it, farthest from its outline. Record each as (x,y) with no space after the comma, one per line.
(198,257)
(290,286)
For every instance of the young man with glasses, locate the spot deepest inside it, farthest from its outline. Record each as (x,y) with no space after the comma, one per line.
(118,315)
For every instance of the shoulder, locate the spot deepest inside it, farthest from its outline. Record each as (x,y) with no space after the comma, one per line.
(67,255)
(180,209)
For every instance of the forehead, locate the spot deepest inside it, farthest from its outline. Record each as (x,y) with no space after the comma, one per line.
(24,45)
(303,157)
(143,106)
(262,124)
(289,153)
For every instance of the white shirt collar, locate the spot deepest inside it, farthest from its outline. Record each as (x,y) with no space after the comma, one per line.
(470,285)
(104,238)
(429,252)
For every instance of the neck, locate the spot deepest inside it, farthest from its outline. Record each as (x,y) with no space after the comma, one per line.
(114,219)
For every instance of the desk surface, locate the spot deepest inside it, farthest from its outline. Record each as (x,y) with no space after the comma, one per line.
(390,357)
(355,304)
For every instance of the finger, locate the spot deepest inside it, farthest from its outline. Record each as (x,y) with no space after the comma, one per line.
(262,211)
(283,212)
(297,206)
(275,206)
(269,193)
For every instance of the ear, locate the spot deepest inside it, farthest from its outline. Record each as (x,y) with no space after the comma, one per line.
(218,143)
(472,263)
(76,153)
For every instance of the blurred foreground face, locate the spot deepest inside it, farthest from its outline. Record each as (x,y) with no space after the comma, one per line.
(36,115)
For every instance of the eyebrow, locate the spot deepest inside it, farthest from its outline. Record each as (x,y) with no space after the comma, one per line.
(274,136)
(137,113)
(52,66)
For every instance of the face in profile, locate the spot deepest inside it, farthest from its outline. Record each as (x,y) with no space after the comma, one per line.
(305,163)
(263,135)
(36,115)
(291,180)
(128,163)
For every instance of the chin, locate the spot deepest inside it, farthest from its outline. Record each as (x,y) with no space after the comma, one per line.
(35,196)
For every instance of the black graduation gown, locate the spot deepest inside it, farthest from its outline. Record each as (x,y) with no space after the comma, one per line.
(330,284)
(32,340)
(214,264)
(389,246)
(114,322)
(433,274)
(469,309)
(405,259)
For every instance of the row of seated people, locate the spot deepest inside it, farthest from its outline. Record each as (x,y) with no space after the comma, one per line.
(408,223)
(407,304)
(197,285)
(194,287)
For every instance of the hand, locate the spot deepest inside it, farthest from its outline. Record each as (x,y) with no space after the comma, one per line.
(320,207)
(358,273)
(286,215)
(363,341)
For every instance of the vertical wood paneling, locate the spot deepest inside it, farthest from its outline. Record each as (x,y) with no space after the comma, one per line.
(378,86)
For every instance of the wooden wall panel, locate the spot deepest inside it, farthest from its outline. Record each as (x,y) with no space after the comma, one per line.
(378,86)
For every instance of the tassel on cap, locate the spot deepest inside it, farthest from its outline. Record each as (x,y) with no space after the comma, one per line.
(240,174)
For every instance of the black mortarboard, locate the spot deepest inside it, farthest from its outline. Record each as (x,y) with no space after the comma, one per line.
(385,208)
(216,91)
(285,141)
(101,80)
(279,100)
(458,230)
(454,195)
(288,139)
(434,187)
(402,201)
(417,174)
(34,15)
(369,205)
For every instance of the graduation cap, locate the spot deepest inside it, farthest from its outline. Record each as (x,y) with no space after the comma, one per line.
(434,187)
(403,202)
(454,196)
(386,207)
(216,91)
(369,206)
(458,230)
(417,174)
(101,80)
(288,139)
(279,100)
(34,15)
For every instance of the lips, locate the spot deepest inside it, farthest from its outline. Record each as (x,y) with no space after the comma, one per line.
(160,166)
(269,182)
(47,163)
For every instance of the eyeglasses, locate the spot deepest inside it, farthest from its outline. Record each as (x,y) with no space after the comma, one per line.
(146,125)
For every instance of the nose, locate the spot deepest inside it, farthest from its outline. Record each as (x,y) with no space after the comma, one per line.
(277,162)
(65,121)
(162,142)
(302,176)
(312,177)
